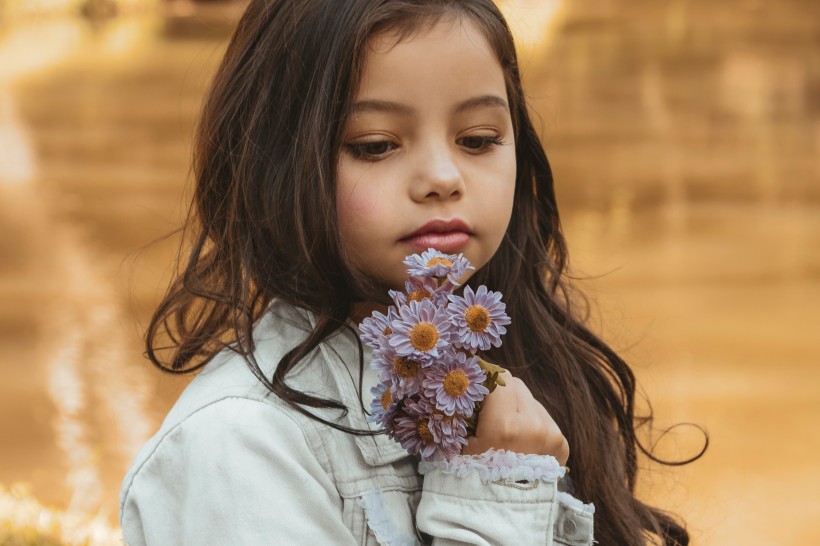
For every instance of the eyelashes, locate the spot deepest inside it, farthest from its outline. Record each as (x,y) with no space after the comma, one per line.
(377,150)
(371,151)
(480,143)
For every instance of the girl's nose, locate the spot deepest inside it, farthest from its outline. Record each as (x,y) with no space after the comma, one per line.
(438,177)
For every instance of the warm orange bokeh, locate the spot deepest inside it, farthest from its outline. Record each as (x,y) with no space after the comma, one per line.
(685,140)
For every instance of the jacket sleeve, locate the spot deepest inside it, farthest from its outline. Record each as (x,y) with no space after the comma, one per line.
(500,498)
(237,471)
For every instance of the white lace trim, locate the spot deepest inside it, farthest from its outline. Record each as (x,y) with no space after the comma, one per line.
(500,465)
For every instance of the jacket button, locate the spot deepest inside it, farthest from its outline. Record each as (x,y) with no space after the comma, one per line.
(569,527)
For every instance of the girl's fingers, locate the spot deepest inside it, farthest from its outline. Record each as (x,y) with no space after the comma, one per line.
(504,399)
(513,419)
(524,390)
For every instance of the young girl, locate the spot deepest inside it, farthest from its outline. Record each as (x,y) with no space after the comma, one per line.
(339,137)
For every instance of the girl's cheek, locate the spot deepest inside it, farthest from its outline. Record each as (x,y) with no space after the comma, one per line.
(365,218)
(361,206)
(359,192)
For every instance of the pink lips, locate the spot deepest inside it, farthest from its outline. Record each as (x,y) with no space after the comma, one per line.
(444,235)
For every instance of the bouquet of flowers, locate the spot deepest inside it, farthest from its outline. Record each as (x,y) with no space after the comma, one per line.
(432,384)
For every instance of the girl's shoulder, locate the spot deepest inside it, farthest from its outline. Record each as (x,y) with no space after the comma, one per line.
(225,415)
(228,375)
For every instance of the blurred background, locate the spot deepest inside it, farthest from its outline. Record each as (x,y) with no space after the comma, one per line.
(685,140)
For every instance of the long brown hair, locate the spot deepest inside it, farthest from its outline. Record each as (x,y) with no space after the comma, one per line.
(263,225)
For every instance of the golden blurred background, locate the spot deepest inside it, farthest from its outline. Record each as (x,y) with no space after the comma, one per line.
(685,139)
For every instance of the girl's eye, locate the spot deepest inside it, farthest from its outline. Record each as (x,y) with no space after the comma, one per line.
(371,151)
(480,143)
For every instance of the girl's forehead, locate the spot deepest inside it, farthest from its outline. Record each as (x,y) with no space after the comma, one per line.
(435,31)
(446,54)
(385,39)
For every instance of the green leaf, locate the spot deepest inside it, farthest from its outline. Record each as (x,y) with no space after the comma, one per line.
(493,374)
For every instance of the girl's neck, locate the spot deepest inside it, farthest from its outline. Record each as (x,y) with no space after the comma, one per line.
(364,309)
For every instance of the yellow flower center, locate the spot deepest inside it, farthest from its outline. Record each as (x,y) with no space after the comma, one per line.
(477,317)
(387,399)
(424,432)
(456,383)
(418,295)
(439,261)
(387,331)
(405,367)
(423,336)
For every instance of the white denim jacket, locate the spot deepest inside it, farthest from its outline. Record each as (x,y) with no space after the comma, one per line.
(233,464)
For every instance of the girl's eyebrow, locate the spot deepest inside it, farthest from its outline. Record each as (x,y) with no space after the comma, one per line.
(484,101)
(373,105)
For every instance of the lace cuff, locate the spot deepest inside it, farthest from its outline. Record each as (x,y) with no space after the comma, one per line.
(500,465)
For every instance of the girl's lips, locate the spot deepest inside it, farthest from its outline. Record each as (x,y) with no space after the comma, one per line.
(444,235)
(448,241)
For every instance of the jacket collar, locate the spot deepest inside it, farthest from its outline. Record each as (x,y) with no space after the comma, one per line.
(341,354)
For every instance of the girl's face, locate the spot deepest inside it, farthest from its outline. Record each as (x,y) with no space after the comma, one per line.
(429,153)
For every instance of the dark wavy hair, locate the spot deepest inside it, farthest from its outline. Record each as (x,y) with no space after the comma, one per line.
(263,225)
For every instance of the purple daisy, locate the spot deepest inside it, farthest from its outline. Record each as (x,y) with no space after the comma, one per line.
(410,428)
(448,430)
(432,263)
(422,329)
(456,384)
(412,431)
(382,362)
(404,372)
(479,317)
(426,288)
(383,407)
(376,330)
(408,375)
(399,298)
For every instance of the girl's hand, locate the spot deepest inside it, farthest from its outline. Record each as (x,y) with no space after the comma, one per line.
(513,420)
